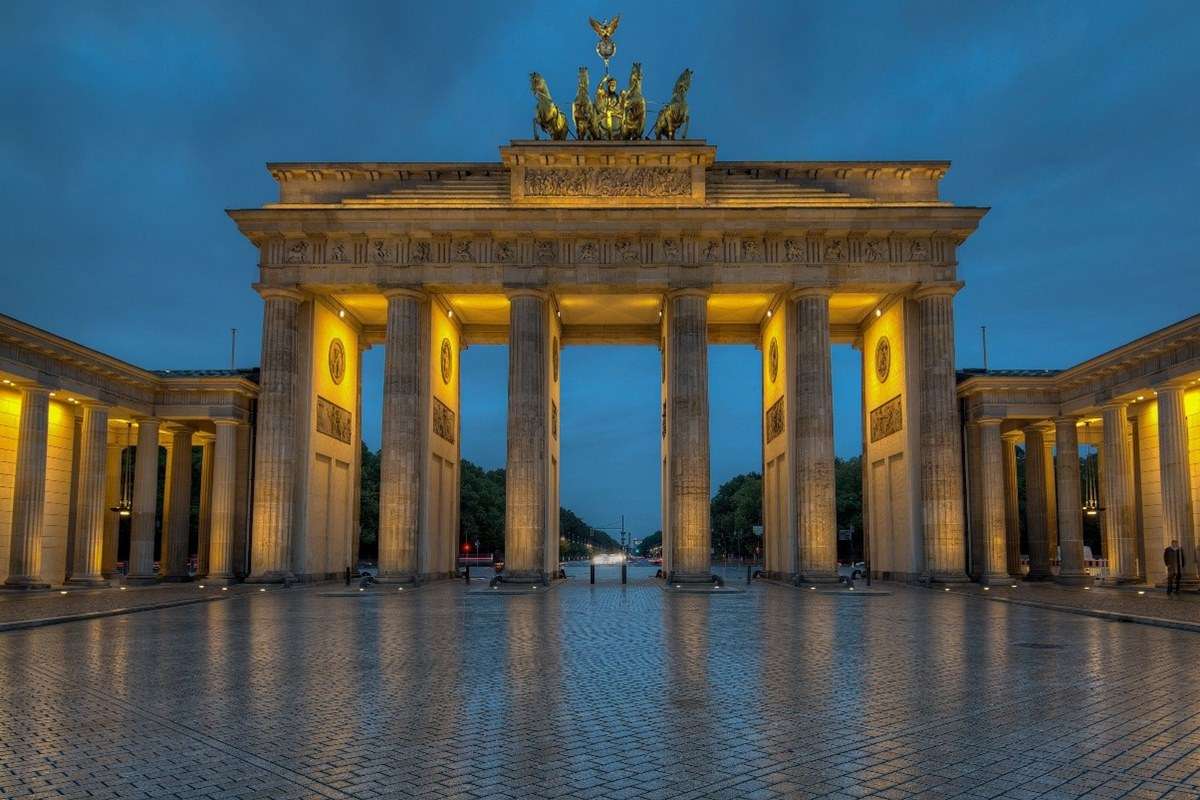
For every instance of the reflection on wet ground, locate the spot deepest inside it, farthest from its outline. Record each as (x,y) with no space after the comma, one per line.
(599,691)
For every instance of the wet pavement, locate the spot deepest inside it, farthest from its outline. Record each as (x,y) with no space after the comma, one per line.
(599,691)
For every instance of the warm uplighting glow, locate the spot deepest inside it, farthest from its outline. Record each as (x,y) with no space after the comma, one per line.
(986,588)
(200,586)
(769,313)
(1141,397)
(63,591)
(54,394)
(224,588)
(450,313)
(341,313)
(878,313)
(1140,591)
(123,588)
(262,590)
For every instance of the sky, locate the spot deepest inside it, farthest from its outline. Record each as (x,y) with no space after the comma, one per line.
(126,129)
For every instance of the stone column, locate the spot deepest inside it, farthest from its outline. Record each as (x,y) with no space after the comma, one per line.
(991,468)
(275,447)
(526,487)
(1175,474)
(1012,505)
(224,476)
(91,483)
(178,502)
(1070,503)
(29,491)
(145,504)
(1051,495)
(941,467)
(1035,504)
(402,456)
(204,523)
(1117,476)
(687,428)
(113,476)
(812,426)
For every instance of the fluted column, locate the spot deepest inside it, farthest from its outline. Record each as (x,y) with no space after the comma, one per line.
(91,483)
(1177,505)
(1117,475)
(1070,503)
(178,502)
(816,510)
(29,491)
(1012,505)
(113,476)
(991,495)
(145,504)
(1036,504)
(941,468)
(275,449)
(687,427)
(224,476)
(526,491)
(401,453)
(1051,485)
(204,522)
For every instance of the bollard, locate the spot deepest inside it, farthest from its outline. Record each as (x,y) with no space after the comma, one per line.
(623,573)
(749,574)
(593,571)
(467,574)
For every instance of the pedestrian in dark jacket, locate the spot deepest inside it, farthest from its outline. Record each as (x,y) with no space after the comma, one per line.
(1173,558)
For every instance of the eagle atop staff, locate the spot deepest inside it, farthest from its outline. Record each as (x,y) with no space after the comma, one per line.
(606,48)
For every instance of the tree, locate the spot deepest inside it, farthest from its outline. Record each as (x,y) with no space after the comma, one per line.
(847,478)
(368,504)
(481,507)
(736,509)
(649,543)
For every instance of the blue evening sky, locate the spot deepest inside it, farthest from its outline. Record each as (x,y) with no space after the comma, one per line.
(127,128)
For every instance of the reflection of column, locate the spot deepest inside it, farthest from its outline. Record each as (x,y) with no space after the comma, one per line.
(526,487)
(812,421)
(401,451)
(178,503)
(994,565)
(1035,504)
(687,428)
(275,449)
(1070,503)
(1120,547)
(941,468)
(145,504)
(29,491)
(224,473)
(89,500)
(1178,524)
(1012,504)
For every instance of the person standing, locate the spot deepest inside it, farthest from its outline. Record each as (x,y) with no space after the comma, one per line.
(1173,557)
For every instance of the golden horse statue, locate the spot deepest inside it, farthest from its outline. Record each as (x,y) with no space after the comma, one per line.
(633,106)
(673,117)
(582,110)
(546,115)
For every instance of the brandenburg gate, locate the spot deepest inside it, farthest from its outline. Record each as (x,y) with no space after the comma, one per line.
(605,241)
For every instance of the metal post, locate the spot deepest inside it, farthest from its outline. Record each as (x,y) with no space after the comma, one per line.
(593,572)
(467,574)
(623,573)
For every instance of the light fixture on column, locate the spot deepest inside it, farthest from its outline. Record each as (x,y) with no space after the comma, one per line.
(124,507)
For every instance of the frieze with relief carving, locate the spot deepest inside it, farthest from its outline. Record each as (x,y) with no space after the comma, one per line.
(774,420)
(444,421)
(607,182)
(886,419)
(335,421)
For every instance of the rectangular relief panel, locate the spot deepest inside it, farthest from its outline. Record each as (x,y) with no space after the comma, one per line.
(335,421)
(886,419)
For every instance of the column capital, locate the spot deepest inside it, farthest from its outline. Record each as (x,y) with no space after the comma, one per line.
(233,423)
(33,388)
(989,421)
(687,292)
(411,292)
(526,291)
(1114,405)
(1065,419)
(810,291)
(1013,436)
(278,292)
(937,289)
(1175,384)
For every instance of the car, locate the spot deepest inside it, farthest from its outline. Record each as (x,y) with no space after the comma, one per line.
(852,572)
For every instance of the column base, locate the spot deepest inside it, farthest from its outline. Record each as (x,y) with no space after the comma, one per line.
(1074,579)
(140,580)
(89,583)
(996,579)
(946,577)
(1038,577)
(394,578)
(221,580)
(20,583)
(272,576)
(691,578)
(177,578)
(818,578)
(1119,581)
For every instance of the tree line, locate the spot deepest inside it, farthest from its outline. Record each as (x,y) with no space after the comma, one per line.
(736,514)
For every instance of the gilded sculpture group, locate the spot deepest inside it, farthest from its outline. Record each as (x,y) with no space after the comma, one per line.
(612,115)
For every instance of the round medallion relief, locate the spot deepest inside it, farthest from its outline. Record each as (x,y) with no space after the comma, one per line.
(447,357)
(554,358)
(883,359)
(337,361)
(773,359)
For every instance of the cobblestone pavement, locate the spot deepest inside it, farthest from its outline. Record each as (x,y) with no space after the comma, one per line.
(20,606)
(1151,602)
(599,692)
